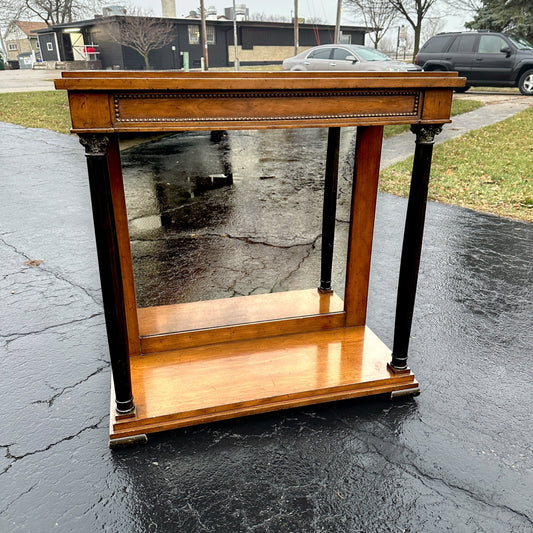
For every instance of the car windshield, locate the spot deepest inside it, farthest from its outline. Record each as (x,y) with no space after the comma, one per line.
(520,42)
(369,54)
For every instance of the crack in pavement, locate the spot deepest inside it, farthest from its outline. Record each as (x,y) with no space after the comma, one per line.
(424,477)
(16,458)
(249,240)
(312,246)
(243,238)
(47,270)
(51,400)
(12,337)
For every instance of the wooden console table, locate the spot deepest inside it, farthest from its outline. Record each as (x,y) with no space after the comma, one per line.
(191,363)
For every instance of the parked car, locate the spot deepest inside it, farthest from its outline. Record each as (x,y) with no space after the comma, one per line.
(484,58)
(345,57)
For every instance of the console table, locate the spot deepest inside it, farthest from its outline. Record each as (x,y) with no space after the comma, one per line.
(191,363)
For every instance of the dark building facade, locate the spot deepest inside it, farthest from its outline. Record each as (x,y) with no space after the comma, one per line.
(258,43)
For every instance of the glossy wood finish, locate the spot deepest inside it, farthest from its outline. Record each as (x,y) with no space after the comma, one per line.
(208,383)
(364,194)
(191,324)
(208,361)
(133,102)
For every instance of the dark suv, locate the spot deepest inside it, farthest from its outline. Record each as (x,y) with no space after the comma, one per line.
(483,57)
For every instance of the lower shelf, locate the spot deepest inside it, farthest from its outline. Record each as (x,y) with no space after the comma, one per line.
(203,384)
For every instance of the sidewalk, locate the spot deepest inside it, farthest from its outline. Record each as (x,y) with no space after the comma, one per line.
(457,458)
(395,148)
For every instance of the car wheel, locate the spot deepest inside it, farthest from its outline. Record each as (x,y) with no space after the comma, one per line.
(462,89)
(525,83)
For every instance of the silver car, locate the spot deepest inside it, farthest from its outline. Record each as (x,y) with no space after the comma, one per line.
(346,57)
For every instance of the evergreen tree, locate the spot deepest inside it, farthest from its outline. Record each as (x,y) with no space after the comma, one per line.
(510,16)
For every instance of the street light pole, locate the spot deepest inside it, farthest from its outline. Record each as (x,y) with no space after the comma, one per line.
(296,29)
(338,22)
(204,36)
(236,62)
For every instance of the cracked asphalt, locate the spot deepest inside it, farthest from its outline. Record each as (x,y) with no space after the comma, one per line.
(457,458)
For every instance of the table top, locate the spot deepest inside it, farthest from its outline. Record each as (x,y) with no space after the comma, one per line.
(149,101)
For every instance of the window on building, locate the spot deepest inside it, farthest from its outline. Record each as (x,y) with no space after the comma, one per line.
(50,47)
(37,44)
(345,38)
(211,39)
(194,34)
(12,47)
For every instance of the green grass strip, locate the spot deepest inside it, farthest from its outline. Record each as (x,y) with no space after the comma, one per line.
(38,109)
(489,170)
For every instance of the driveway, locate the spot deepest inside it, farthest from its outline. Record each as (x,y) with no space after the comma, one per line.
(457,458)
(16,81)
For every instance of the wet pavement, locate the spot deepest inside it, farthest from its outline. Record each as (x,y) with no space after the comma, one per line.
(456,458)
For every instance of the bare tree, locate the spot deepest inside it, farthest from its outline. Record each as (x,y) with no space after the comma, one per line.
(432,26)
(315,20)
(142,34)
(263,17)
(49,11)
(462,6)
(414,11)
(378,15)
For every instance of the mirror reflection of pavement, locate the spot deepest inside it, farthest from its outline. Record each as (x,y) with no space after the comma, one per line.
(456,458)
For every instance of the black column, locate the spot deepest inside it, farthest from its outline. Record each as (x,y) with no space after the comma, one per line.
(330,208)
(412,243)
(96,151)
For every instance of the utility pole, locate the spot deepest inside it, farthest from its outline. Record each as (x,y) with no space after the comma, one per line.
(204,36)
(338,22)
(296,29)
(236,62)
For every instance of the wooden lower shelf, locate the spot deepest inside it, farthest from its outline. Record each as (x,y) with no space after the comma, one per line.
(172,327)
(207,383)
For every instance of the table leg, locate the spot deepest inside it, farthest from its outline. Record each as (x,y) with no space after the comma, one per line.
(97,153)
(330,208)
(412,244)
(364,193)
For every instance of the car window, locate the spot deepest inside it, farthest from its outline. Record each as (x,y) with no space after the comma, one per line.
(520,42)
(437,44)
(342,53)
(491,44)
(320,53)
(463,44)
(371,54)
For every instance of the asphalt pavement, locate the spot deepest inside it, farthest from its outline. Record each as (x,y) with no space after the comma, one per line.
(457,458)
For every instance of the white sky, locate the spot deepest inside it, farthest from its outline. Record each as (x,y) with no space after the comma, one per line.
(325,9)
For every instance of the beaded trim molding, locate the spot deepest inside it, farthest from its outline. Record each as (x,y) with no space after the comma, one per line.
(118,98)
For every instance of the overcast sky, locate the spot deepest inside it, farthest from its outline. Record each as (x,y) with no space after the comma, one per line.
(325,9)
